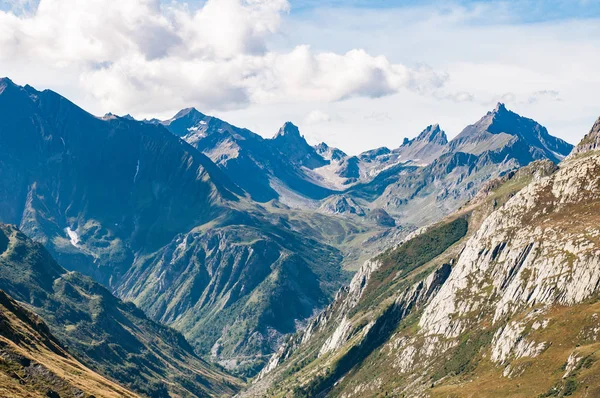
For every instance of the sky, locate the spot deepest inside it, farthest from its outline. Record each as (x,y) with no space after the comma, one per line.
(356,74)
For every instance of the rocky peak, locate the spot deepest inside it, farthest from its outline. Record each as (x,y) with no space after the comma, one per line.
(322,148)
(433,134)
(500,128)
(426,147)
(183,121)
(292,145)
(330,153)
(188,112)
(374,153)
(591,141)
(289,129)
(4,83)
(500,108)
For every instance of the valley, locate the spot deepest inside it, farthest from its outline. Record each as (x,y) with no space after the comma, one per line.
(221,262)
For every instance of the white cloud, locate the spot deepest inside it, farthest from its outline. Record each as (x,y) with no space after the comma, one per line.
(138,56)
(541,95)
(317,116)
(256,65)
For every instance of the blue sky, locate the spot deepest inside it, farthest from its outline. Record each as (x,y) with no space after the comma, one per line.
(524,10)
(357,74)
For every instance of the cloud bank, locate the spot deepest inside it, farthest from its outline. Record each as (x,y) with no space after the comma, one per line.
(143,56)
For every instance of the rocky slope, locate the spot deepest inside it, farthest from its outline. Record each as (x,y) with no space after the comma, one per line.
(508,309)
(590,142)
(33,363)
(114,338)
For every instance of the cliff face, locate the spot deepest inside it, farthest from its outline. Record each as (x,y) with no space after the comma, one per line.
(514,299)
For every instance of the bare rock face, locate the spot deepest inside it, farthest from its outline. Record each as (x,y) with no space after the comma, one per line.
(590,142)
(533,250)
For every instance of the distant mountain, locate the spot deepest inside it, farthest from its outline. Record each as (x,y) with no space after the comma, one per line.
(35,363)
(498,143)
(264,168)
(426,147)
(294,147)
(330,153)
(501,127)
(113,337)
(286,165)
(482,303)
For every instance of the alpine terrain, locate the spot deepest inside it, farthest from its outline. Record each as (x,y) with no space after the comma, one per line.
(190,257)
(501,298)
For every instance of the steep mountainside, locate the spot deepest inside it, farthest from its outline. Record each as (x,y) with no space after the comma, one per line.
(98,191)
(510,309)
(34,364)
(114,338)
(235,290)
(110,197)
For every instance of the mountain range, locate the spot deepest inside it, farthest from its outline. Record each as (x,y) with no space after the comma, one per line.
(190,241)
(498,299)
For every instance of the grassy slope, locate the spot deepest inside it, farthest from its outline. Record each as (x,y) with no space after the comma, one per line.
(34,364)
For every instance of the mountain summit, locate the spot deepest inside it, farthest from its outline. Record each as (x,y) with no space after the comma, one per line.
(289,129)
(501,127)
(426,147)
(184,121)
(433,134)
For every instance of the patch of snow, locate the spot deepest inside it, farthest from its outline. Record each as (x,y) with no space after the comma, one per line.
(137,171)
(73,237)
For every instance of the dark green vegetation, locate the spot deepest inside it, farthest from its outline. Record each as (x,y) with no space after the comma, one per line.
(113,337)
(258,287)
(399,262)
